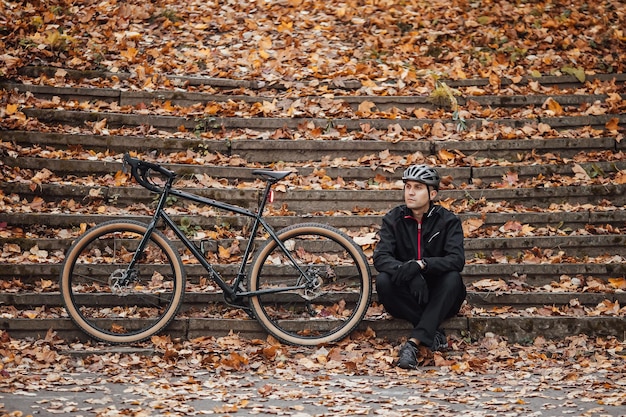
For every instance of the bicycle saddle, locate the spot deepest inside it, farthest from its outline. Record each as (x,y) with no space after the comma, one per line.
(271,175)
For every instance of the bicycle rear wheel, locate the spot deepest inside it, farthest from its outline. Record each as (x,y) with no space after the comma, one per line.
(320,301)
(112,302)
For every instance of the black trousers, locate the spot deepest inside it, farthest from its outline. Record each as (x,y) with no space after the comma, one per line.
(446,295)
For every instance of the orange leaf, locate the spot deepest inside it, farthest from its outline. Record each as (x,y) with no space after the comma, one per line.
(471,225)
(512,226)
(129,53)
(612,124)
(120,178)
(223,253)
(619,283)
(553,106)
(446,155)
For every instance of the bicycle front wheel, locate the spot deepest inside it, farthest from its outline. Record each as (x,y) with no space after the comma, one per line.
(112,301)
(316,293)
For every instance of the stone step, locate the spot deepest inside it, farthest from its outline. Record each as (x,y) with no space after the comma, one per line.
(533,274)
(178,81)
(514,299)
(203,124)
(265,151)
(459,175)
(306,201)
(516,329)
(187,98)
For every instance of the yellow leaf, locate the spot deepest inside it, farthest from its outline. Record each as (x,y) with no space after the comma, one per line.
(368,83)
(11,109)
(167,106)
(285,27)
(120,178)
(579,73)
(53,37)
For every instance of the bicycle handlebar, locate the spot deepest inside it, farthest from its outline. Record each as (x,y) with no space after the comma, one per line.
(140,170)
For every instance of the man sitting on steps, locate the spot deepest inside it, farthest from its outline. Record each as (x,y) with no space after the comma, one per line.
(419,259)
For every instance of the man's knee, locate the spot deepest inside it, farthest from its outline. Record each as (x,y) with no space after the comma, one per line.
(451,283)
(453,289)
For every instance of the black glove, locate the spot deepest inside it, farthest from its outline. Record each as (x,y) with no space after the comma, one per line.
(406,272)
(419,288)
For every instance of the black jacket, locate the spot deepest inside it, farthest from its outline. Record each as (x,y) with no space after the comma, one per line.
(442,241)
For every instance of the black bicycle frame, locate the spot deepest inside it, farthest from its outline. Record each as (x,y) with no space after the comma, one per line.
(229,291)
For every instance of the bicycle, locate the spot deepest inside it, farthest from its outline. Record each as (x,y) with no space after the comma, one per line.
(123,281)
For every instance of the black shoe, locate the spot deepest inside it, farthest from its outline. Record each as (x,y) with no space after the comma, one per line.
(440,341)
(407,358)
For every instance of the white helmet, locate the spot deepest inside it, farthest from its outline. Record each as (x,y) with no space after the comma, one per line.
(422,173)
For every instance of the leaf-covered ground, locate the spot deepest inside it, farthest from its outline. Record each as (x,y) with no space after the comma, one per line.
(232,376)
(295,40)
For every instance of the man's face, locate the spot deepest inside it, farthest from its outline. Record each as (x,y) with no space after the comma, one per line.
(416,195)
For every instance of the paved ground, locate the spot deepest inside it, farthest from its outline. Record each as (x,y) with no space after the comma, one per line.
(234,376)
(417,393)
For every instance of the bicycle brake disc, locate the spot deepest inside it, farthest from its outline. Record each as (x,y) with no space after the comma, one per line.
(119,281)
(314,281)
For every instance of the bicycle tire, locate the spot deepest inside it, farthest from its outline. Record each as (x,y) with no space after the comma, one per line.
(321,315)
(98,299)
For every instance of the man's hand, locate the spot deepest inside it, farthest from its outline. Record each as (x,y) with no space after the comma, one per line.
(406,272)
(410,273)
(419,288)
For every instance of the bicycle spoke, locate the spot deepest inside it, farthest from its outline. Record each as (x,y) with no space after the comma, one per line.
(334,279)
(111,300)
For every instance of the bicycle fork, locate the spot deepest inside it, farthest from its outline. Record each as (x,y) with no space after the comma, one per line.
(146,238)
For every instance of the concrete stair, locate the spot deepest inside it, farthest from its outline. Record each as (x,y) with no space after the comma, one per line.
(578,229)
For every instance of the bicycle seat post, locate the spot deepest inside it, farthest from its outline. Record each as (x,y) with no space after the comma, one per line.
(266,192)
